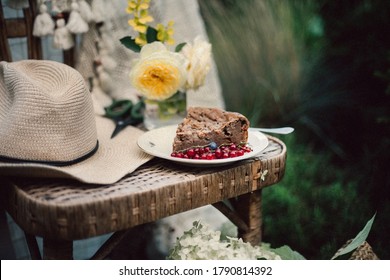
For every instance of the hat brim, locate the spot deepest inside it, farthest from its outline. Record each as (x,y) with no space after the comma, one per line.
(114,159)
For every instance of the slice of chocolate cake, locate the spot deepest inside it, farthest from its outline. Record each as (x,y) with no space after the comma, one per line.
(203,126)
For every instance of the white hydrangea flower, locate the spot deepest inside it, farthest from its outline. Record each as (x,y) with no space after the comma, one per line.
(201,243)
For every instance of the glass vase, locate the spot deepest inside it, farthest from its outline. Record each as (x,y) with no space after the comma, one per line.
(170,111)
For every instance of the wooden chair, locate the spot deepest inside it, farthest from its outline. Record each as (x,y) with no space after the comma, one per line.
(22,27)
(19,28)
(62,211)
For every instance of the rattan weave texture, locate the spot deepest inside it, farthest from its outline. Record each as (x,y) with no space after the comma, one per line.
(68,210)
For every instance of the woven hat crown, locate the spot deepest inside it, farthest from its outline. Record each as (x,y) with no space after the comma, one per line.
(46,113)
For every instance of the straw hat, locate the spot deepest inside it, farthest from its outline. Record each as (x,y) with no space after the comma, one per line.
(48,127)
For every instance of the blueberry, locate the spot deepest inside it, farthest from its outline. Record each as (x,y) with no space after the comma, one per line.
(213,145)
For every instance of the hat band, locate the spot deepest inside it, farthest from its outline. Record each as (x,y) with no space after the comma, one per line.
(53,163)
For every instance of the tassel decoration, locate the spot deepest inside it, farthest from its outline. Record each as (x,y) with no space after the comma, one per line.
(63,39)
(107,42)
(104,78)
(43,23)
(99,97)
(76,23)
(106,60)
(103,98)
(85,11)
(98,10)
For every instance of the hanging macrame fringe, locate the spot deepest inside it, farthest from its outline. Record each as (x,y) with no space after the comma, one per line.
(99,97)
(86,11)
(98,10)
(43,23)
(63,39)
(76,24)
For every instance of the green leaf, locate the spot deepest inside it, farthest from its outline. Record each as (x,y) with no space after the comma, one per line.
(180,46)
(286,253)
(358,240)
(130,43)
(151,35)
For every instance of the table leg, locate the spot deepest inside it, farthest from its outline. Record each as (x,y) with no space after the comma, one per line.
(248,207)
(57,249)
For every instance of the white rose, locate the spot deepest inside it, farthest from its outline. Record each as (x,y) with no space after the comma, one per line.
(198,55)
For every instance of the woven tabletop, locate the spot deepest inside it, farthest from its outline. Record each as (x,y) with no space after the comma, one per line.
(69,210)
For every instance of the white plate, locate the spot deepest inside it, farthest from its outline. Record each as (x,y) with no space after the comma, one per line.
(158,142)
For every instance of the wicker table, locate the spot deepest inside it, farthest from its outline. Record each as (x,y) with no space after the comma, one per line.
(61,211)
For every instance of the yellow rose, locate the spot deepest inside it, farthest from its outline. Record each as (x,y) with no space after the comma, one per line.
(199,56)
(158,73)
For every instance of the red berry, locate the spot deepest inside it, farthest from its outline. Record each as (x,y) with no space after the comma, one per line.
(191,153)
(209,156)
(222,152)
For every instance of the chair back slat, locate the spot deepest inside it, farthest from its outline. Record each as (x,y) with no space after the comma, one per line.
(21,27)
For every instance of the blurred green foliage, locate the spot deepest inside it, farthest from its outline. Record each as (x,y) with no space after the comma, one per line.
(323,67)
(314,209)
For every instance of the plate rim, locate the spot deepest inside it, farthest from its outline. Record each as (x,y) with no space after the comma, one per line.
(201,162)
